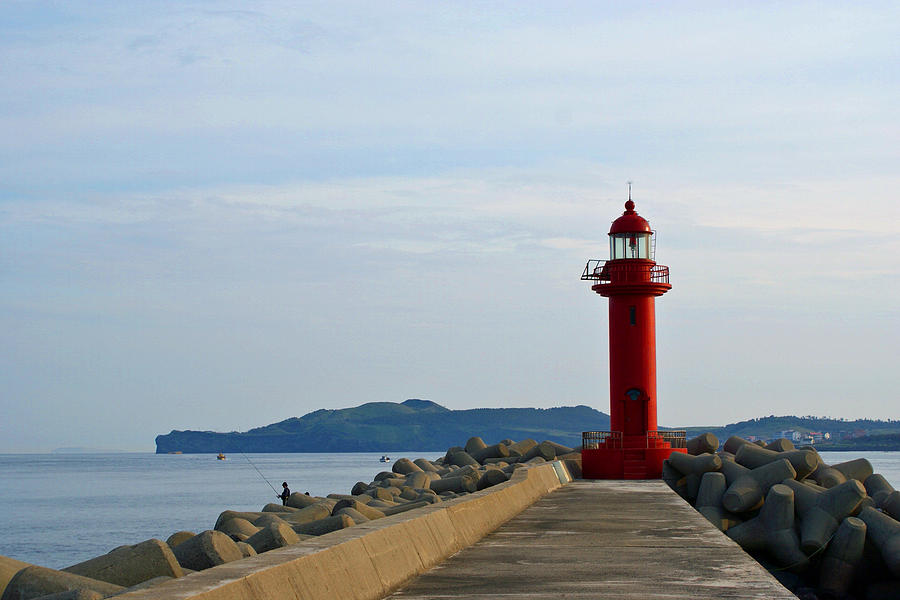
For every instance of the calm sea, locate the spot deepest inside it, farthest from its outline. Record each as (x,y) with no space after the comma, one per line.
(60,509)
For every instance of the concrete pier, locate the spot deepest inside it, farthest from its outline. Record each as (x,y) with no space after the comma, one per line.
(601,539)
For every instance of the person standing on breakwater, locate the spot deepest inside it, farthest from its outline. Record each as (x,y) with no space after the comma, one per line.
(285,493)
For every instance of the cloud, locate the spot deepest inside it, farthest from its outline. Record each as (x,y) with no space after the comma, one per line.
(807,229)
(698,85)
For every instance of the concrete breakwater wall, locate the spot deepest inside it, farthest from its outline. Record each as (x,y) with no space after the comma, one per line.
(358,545)
(825,531)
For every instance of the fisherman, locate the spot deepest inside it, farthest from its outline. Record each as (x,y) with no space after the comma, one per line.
(285,494)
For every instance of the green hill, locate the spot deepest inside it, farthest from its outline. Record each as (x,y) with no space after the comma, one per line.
(844,434)
(391,427)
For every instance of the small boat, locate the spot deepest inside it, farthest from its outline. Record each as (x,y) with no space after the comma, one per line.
(384,458)
(220,456)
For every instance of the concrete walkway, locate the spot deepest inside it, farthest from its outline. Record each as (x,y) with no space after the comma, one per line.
(601,539)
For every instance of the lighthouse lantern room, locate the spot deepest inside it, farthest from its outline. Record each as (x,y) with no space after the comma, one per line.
(634,448)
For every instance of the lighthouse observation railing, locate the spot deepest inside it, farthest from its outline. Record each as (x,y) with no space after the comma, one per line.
(612,440)
(675,439)
(592,440)
(604,271)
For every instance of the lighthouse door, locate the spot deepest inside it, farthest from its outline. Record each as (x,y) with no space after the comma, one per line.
(635,413)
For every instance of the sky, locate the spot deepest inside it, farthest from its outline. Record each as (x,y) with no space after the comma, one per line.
(219,215)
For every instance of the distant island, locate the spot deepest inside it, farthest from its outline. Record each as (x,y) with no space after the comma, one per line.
(391,427)
(424,425)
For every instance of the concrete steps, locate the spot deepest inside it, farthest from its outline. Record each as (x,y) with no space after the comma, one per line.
(634,465)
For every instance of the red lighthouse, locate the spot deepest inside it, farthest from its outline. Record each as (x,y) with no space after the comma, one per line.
(633,448)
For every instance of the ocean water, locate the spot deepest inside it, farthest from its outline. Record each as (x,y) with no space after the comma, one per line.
(59,509)
(886,463)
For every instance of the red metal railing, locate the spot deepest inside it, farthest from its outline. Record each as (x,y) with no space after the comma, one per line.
(675,439)
(604,271)
(592,440)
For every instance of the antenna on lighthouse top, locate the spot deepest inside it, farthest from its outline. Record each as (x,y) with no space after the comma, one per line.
(629,205)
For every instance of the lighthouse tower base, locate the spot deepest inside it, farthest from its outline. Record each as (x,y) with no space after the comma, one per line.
(610,455)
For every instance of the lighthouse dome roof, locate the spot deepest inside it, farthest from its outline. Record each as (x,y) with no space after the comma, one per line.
(630,222)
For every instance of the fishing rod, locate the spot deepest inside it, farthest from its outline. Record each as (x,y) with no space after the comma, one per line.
(258,471)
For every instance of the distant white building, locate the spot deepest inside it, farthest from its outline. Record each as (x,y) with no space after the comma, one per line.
(791,434)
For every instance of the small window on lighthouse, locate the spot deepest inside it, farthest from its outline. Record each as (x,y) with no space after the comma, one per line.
(629,245)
